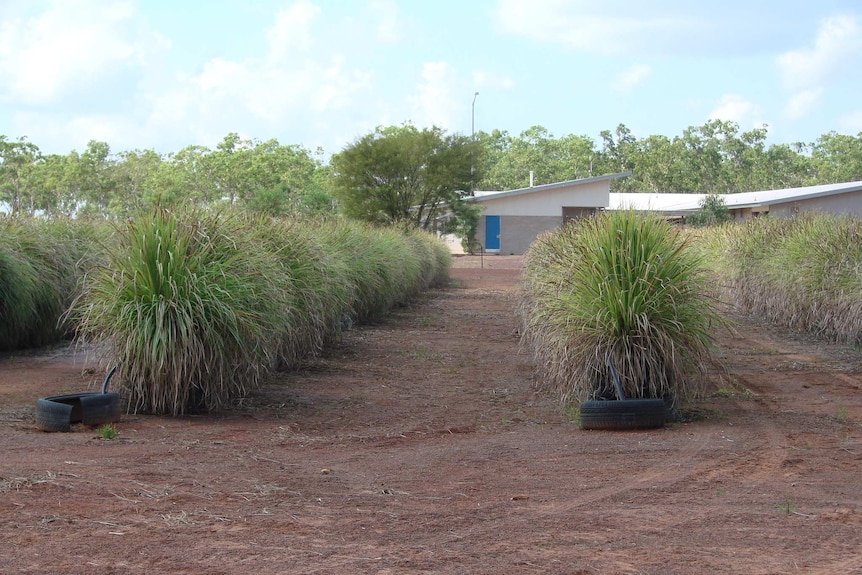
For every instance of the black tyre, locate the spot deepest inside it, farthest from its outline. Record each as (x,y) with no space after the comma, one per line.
(86,408)
(53,416)
(100,408)
(74,401)
(623,414)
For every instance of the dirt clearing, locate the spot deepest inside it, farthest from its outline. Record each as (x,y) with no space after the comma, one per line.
(420,445)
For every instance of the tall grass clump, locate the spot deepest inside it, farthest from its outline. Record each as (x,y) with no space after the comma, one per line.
(804,272)
(41,261)
(624,287)
(317,287)
(187,306)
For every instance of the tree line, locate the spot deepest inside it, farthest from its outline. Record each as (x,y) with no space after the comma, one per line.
(261,175)
(407,174)
(715,158)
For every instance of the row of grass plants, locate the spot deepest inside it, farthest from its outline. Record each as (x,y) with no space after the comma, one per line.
(41,263)
(623,289)
(196,306)
(803,272)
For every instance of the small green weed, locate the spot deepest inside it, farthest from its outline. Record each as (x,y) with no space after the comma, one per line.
(733,389)
(107,431)
(842,415)
(787,505)
(423,354)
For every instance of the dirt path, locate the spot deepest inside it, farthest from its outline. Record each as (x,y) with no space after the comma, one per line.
(419,445)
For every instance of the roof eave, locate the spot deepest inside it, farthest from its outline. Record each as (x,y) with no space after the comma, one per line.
(546,187)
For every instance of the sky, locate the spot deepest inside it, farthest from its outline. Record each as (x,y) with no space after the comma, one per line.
(166,74)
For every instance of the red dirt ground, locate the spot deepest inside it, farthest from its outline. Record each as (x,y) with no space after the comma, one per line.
(420,445)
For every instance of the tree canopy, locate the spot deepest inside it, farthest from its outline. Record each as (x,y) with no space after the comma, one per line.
(715,158)
(260,176)
(404,175)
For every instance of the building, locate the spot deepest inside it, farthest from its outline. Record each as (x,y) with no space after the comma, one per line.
(836,199)
(511,220)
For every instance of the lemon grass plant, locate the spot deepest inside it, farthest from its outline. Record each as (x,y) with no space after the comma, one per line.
(187,307)
(623,287)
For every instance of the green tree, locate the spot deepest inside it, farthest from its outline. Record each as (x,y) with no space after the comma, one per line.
(230,164)
(185,175)
(53,188)
(17,166)
(787,166)
(403,175)
(713,210)
(838,158)
(620,153)
(657,165)
(280,177)
(136,180)
(317,199)
(93,174)
(509,160)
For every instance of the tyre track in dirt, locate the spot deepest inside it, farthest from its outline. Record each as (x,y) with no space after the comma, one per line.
(759,454)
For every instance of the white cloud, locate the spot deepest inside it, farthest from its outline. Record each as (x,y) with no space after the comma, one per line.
(71,48)
(389,28)
(599,27)
(629,78)
(485,80)
(836,50)
(433,103)
(801,103)
(735,108)
(74,132)
(339,85)
(851,123)
(808,72)
(299,80)
(291,31)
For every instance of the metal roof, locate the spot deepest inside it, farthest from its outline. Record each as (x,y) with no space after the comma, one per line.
(680,202)
(480,196)
(650,202)
(691,202)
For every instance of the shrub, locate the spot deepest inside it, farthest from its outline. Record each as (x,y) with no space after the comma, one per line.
(623,287)
(713,211)
(187,306)
(41,262)
(804,272)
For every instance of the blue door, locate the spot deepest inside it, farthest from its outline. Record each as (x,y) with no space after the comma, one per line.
(492,232)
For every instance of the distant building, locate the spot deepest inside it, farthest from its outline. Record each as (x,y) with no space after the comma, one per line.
(827,198)
(511,220)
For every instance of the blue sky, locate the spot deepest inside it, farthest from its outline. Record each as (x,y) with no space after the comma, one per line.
(164,74)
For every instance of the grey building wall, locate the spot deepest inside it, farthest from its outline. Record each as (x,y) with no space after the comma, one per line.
(849,203)
(480,233)
(518,232)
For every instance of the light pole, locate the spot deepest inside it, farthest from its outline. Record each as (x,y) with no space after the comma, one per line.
(473,118)
(472,138)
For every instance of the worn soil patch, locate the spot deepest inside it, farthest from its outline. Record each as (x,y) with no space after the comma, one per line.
(421,445)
